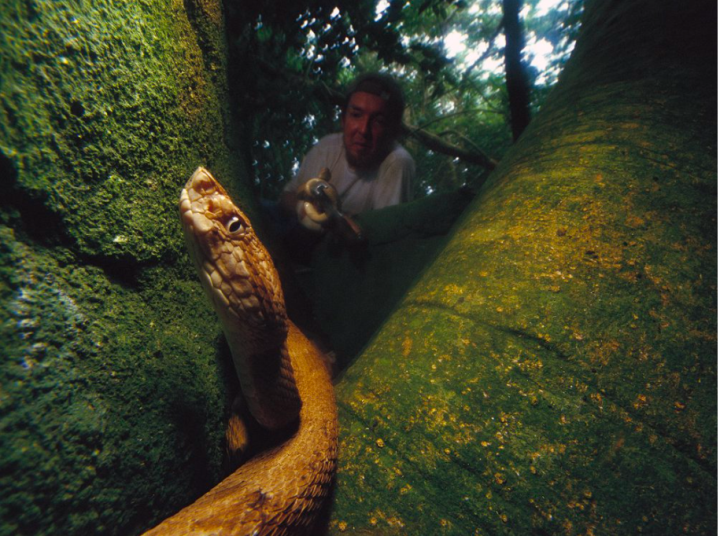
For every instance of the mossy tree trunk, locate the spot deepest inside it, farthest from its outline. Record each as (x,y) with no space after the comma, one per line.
(554,370)
(112,402)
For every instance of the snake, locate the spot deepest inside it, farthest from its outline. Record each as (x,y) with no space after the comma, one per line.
(283,377)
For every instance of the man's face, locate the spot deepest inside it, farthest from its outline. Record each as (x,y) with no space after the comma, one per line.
(367,133)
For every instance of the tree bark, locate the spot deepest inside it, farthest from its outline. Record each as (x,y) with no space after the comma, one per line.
(554,370)
(516,79)
(112,395)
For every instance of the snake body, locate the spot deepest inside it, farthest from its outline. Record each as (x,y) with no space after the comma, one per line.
(282,375)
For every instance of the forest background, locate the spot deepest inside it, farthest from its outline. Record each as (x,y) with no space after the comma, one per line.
(468,93)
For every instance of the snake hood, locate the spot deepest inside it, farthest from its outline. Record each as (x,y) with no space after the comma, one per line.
(239,276)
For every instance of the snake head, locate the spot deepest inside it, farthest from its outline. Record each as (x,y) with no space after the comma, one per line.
(239,277)
(234,266)
(206,206)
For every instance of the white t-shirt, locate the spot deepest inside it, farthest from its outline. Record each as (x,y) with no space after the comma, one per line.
(359,191)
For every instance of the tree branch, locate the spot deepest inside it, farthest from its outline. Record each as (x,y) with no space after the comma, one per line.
(437,144)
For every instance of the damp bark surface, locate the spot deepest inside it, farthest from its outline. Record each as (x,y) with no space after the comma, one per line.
(112,394)
(554,370)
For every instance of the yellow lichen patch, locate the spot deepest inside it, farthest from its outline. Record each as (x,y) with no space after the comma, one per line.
(634,221)
(641,401)
(597,399)
(603,352)
(452,291)
(407,346)
(530,364)
(377,516)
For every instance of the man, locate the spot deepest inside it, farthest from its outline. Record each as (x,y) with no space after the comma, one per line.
(368,167)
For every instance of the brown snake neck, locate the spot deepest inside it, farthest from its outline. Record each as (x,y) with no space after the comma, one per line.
(282,375)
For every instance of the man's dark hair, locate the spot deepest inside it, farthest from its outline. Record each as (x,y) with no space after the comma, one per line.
(385,87)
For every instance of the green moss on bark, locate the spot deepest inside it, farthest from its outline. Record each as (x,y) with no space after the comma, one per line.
(106,392)
(554,370)
(113,389)
(106,111)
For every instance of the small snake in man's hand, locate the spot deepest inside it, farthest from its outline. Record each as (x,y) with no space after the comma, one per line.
(282,375)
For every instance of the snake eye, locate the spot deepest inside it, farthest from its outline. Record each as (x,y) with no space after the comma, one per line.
(234,225)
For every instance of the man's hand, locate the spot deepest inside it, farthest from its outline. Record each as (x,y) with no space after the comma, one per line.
(317,203)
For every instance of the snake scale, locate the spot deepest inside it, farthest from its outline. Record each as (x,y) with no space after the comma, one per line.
(282,375)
